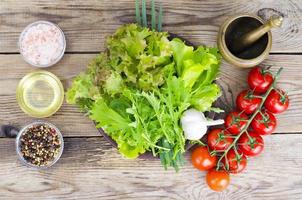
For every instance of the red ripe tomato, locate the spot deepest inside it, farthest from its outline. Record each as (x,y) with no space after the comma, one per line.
(202,160)
(251,146)
(218,180)
(277,101)
(219,139)
(264,123)
(235,163)
(247,102)
(260,79)
(235,122)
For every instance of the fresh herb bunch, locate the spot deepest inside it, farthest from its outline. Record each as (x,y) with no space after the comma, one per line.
(138,90)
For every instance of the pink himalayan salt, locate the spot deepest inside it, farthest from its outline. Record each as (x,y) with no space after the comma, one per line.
(42,44)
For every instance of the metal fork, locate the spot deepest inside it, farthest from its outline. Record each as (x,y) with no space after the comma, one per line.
(141,15)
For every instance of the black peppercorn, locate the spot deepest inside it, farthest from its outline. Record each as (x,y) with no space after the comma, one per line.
(40,144)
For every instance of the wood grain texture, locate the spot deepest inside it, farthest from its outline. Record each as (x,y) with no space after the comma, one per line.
(87,23)
(74,123)
(90,169)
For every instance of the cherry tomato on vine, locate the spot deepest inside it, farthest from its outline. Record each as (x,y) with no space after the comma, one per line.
(202,160)
(219,139)
(264,123)
(251,144)
(260,79)
(235,122)
(218,180)
(235,163)
(277,101)
(247,102)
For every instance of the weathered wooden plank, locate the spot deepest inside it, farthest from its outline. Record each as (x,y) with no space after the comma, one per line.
(90,169)
(86,23)
(74,123)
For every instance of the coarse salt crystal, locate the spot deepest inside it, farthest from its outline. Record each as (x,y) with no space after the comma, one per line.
(42,44)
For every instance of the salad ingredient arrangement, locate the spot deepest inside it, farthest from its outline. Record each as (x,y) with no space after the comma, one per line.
(138,90)
(228,149)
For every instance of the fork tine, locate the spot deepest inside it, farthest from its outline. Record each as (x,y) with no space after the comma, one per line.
(137,12)
(144,13)
(153,15)
(160,16)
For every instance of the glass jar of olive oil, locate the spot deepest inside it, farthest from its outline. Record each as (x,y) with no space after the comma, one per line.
(40,94)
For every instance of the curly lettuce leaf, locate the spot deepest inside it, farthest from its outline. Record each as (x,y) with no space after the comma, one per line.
(87,85)
(114,84)
(82,88)
(138,54)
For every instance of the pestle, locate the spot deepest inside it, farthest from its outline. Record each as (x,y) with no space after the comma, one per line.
(251,37)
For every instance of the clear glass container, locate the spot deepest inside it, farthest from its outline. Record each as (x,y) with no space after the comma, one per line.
(40,94)
(58,155)
(60,54)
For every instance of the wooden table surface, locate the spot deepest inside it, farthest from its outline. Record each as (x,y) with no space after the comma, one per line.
(89,167)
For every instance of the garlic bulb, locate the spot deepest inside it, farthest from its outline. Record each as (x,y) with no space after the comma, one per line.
(195,124)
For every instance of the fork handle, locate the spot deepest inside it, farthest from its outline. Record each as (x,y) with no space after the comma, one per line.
(8,131)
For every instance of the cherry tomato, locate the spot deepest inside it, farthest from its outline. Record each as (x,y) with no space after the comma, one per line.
(251,146)
(218,180)
(247,102)
(264,123)
(219,139)
(260,79)
(202,160)
(277,101)
(235,122)
(235,163)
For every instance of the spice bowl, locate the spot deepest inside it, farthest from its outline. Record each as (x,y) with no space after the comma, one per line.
(42,44)
(39,145)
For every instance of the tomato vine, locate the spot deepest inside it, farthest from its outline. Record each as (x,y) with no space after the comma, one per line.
(247,125)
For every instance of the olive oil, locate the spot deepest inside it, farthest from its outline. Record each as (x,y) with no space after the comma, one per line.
(40,94)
